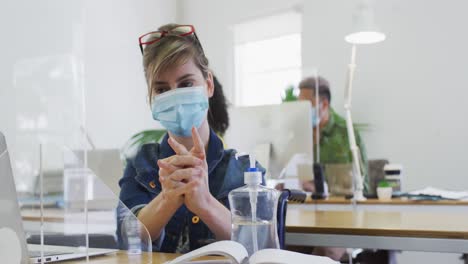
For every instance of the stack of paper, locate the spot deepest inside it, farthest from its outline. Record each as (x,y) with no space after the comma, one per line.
(446,194)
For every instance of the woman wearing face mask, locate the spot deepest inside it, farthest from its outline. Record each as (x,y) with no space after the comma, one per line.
(178,189)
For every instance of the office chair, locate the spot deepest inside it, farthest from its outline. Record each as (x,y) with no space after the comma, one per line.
(285,196)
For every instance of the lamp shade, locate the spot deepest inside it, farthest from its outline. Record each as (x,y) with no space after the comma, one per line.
(364,29)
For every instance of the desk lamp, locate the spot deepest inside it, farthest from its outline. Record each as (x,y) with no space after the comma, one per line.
(364,32)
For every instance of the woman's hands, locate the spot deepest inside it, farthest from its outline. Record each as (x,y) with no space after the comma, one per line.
(184,176)
(170,194)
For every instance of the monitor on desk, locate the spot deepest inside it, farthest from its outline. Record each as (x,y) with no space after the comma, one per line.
(61,187)
(276,134)
(108,167)
(104,169)
(53,182)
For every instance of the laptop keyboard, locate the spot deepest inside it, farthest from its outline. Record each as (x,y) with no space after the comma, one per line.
(36,254)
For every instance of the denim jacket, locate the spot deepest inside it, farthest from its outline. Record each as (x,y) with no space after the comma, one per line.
(140,185)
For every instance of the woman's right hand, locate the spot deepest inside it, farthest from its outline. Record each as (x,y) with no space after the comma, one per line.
(170,193)
(162,208)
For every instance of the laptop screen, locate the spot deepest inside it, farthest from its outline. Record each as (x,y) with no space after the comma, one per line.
(12,238)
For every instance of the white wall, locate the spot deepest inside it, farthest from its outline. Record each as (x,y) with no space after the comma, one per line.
(116,89)
(410,89)
(50,50)
(213,21)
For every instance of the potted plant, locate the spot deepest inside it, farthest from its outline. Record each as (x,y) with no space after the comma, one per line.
(384,190)
(288,95)
(136,141)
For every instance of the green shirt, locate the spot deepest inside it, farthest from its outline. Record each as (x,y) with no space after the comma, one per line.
(334,145)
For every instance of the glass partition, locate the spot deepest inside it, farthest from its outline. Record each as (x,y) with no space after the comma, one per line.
(84,217)
(67,209)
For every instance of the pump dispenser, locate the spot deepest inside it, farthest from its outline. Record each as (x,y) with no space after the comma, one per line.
(253,212)
(253,176)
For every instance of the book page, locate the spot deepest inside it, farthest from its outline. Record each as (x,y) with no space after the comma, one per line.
(230,249)
(215,261)
(273,256)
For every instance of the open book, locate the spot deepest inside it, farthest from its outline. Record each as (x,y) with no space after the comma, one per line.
(237,254)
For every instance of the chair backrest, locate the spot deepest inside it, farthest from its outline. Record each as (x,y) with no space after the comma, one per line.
(285,196)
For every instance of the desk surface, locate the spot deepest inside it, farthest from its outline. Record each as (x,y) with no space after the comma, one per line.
(121,257)
(57,215)
(61,215)
(394,201)
(419,231)
(413,224)
(365,223)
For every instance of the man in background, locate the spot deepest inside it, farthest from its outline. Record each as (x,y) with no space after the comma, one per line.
(334,144)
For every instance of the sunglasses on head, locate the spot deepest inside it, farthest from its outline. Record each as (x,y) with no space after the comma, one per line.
(155,36)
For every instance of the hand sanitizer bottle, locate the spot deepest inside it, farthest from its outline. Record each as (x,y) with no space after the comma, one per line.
(253,212)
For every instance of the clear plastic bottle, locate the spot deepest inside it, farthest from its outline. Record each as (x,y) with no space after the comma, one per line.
(132,235)
(253,213)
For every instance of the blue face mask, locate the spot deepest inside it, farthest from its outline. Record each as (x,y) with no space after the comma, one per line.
(315,118)
(181,109)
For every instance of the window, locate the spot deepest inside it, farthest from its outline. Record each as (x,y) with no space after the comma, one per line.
(267,57)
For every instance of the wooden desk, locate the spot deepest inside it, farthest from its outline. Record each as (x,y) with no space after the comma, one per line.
(396,230)
(121,257)
(335,203)
(63,215)
(69,221)
(394,201)
(409,231)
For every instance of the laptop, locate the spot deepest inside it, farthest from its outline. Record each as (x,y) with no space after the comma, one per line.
(13,246)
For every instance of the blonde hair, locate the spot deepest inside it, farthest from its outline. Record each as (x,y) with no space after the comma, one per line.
(169,52)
